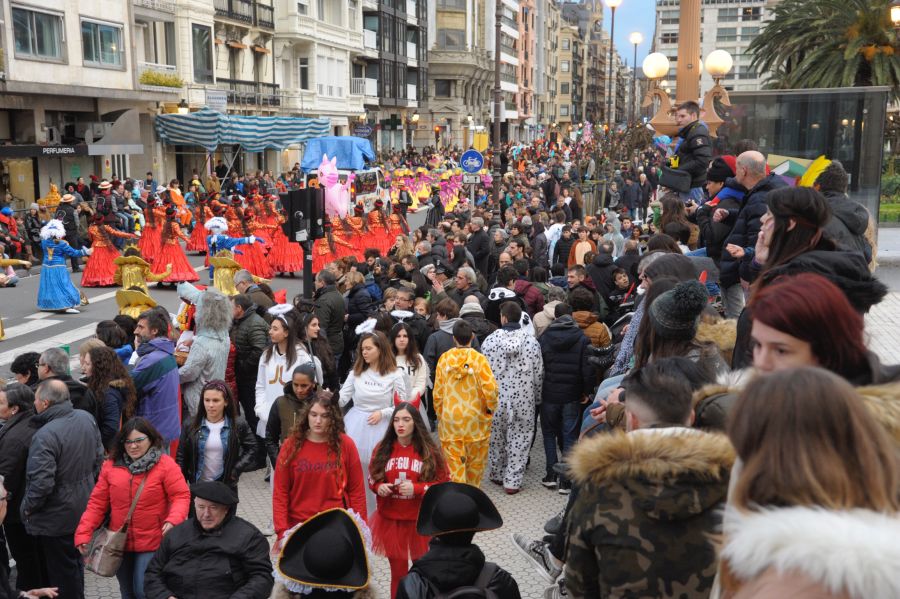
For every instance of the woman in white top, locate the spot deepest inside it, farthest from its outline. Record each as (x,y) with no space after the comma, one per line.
(413,365)
(371,384)
(278,362)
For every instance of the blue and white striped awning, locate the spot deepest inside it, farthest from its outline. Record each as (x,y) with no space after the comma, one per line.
(208,128)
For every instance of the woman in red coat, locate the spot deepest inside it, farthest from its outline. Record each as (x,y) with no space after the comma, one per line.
(403,466)
(170,252)
(318,468)
(136,456)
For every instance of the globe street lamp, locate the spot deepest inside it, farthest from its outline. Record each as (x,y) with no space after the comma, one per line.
(635,38)
(613,5)
(895,13)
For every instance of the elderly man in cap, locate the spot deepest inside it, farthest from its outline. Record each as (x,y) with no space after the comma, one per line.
(213,554)
(452,513)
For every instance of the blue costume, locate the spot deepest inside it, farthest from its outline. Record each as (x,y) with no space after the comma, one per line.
(56,291)
(218,242)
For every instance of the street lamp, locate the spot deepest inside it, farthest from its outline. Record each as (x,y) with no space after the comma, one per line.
(613,5)
(635,38)
(895,13)
(183,107)
(412,122)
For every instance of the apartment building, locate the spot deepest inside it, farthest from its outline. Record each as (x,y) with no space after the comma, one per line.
(725,25)
(546,64)
(392,69)
(525,99)
(572,54)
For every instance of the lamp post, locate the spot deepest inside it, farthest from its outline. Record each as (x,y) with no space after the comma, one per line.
(498,15)
(411,123)
(895,13)
(613,5)
(635,38)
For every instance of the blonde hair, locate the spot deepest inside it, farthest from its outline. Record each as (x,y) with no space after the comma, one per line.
(88,345)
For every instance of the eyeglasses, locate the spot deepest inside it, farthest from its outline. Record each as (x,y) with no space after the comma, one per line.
(6,497)
(134,441)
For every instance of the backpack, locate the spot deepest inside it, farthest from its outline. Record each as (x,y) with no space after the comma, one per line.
(479,588)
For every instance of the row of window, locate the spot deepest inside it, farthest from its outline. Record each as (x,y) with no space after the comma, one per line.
(723,34)
(41,35)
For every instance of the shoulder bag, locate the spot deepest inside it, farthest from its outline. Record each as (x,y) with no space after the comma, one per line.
(104,554)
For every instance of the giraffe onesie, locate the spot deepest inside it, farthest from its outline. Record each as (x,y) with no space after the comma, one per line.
(465,396)
(515,358)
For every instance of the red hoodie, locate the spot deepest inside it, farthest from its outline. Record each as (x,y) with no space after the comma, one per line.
(314,481)
(405,463)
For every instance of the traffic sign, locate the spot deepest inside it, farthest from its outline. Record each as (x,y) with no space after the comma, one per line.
(471,161)
(471,179)
(362,130)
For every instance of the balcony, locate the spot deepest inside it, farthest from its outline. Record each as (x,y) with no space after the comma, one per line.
(371,87)
(452,5)
(370,39)
(411,94)
(511,23)
(162,78)
(251,93)
(511,50)
(357,86)
(238,10)
(411,50)
(265,16)
(167,6)
(411,8)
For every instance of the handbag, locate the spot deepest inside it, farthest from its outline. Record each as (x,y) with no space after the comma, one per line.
(675,179)
(104,554)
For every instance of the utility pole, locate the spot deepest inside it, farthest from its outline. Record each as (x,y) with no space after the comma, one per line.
(498,97)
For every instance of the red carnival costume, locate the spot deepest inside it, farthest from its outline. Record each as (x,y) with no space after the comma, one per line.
(197,242)
(100,270)
(171,253)
(252,256)
(286,255)
(398,224)
(363,238)
(379,229)
(154,217)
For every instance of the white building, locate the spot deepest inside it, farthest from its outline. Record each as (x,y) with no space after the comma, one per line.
(725,25)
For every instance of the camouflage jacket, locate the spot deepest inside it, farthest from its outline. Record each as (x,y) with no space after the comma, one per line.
(648,501)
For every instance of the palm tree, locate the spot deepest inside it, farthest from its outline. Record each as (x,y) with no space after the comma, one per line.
(829,43)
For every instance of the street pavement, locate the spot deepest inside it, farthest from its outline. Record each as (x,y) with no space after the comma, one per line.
(30,330)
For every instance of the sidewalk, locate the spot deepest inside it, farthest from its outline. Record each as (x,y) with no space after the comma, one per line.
(889,246)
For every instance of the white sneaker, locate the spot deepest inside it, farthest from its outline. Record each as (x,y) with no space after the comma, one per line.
(72,311)
(268,530)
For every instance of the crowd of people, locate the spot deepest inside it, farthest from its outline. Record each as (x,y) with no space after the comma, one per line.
(694,360)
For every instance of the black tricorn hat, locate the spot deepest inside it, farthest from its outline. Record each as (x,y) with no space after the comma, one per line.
(327,551)
(456,507)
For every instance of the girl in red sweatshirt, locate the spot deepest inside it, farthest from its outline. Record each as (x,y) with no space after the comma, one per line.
(318,468)
(403,466)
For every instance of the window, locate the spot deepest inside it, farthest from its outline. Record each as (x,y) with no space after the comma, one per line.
(38,34)
(451,38)
(564,66)
(566,43)
(728,15)
(751,13)
(564,110)
(443,88)
(101,44)
(749,33)
(303,7)
(201,45)
(668,17)
(564,88)
(331,73)
(303,72)
(669,38)
(726,34)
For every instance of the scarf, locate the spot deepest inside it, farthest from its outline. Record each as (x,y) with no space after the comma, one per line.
(143,463)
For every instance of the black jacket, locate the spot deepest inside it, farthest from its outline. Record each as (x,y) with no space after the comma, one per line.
(330,309)
(81,397)
(694,152)
(15,437)
(447,567)
(747,227)
(359,305)
(568,376)
(601,273)
(848,224)
(480,247)
(713,233)
(240,455)
(481,326)
(231,561)
(250,336)
(628,263)
(273,424)
(66,213)
(64,461)
(420,328)
(562,249)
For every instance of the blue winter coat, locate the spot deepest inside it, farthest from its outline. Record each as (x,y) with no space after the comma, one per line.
(158,386)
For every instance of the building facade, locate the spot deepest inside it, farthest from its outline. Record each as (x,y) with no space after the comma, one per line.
(547,29)
(570,77)
(725,25)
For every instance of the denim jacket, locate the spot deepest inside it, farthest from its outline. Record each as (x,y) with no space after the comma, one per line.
(201,454)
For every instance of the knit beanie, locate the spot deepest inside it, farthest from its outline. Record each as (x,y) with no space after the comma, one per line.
(675,313)
(722,168)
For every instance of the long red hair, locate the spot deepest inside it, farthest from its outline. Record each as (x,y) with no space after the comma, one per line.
(812,308)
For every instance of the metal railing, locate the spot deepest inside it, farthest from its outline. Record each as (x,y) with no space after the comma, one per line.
(239,10)
(160,5)
(265,16)
(451,5)
(253,93)
(357,86)
(509,22)
(511,50)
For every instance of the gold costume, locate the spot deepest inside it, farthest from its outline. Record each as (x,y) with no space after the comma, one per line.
(134,271)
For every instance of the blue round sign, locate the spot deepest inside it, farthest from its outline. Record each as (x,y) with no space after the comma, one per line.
(471,161)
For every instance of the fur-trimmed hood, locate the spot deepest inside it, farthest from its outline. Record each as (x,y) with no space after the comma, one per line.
(672,473)
(883,402)
(851,553)
(723,333)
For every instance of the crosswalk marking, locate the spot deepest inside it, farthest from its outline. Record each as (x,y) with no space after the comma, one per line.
(39,315)
(29,327)
(66,338)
